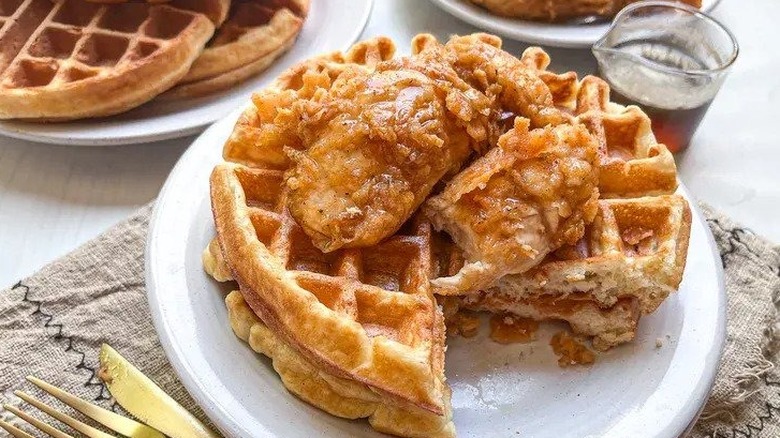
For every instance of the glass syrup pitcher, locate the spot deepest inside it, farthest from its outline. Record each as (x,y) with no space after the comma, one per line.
(670,59)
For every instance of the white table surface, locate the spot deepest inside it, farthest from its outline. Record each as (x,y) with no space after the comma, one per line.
(54,198)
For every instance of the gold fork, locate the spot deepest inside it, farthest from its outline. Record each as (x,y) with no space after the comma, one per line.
(111,420)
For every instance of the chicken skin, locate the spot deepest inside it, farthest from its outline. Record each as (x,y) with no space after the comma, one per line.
(364,148)
(530,195)
(271,123)
(377,144)
(480,61)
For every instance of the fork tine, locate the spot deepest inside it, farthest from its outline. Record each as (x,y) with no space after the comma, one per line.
(43,427)
(14,431)
(111,420)
(86,429)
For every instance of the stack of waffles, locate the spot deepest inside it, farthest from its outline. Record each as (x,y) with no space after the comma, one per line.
(71,59)
(547,10)
(360,332)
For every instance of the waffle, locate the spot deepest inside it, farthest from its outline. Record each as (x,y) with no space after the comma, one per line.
(340,397)
(630,259)
(358,332)
(70,59)
(366,315)
(602,285)
(377,298)
(217,11)
(559,10)
(337,396)
(255,34)
(631,162)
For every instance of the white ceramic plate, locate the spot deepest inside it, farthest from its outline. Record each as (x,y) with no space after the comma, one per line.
(636,390)
(331,25)
(549,34)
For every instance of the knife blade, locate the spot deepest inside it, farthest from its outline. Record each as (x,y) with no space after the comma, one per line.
(140,396)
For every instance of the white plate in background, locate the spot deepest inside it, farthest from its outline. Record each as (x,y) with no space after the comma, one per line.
(331,25)
(535,32)
(636,390)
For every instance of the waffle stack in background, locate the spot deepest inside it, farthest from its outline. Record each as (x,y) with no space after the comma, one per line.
(360,332)
(559,10)
(72,59)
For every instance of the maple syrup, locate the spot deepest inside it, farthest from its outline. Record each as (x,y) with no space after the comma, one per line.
(669,59)
(570,351)
(672,127)
(509,329)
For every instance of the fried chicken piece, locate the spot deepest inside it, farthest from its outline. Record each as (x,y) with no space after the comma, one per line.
(530,195)
(271,123)
(377,143)
(515,87)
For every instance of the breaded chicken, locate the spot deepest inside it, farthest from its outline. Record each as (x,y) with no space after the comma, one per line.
(377,144)
(365,147)
(527,197)
(480,61)
(271,123)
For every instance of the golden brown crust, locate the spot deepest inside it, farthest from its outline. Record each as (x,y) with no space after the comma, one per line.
(75,70)
(534,192)
(338,396)
(253,30)
(264,128)
(228,79)
(558,10)
(390,340)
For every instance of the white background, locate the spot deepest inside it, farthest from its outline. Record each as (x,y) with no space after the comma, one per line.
(54,198)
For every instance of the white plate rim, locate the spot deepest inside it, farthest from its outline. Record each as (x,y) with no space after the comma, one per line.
(555,35)
(156,284)
(42,132)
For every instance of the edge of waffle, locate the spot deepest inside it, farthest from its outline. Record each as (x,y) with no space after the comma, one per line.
(217,11)
(556,11)
(252,42)
(242,47)
(631,258)
(337,312)
(631,162)
(337,396)
(81,59)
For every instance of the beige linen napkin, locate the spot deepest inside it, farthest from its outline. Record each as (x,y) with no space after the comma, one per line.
(52,325)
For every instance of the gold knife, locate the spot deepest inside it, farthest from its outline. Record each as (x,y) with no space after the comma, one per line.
(143,398)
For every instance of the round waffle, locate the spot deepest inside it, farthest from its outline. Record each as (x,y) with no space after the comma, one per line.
(70,59)
(364,319)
